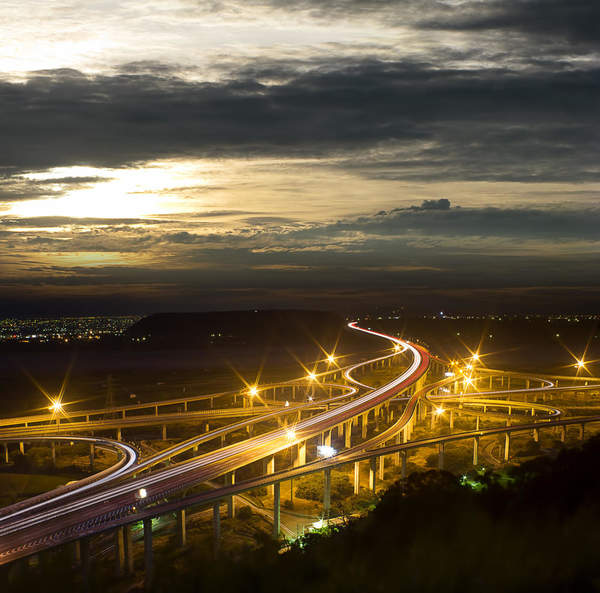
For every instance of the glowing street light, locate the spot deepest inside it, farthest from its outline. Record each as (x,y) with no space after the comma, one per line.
(439,411)
(312,376)
(475,356)
(330,358)
(290,434)
(325,451)
(580,364)
(142,493)
(397,347)
(56,406)
(253,390)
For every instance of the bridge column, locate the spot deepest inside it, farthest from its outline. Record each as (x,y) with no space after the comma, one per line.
(581,431)
(269,468)
(92,453)
(441,451)
(327,438)
(404,456)
(230,481)
(119,552)
(302,453)
(536,435)
(181,528)
(326,492)
(356,477)
(363,425)
(491,382)
(119,436)
(276,509)
(22,447)
(563,433)
(6,452)
(52,452)
(128,549)
(475,450)
(477,422)
(348,434)
(86,563)
(451,420)
(506,446)
(148,555)
(381,469)
(216,521)
(164,432)
(372,473)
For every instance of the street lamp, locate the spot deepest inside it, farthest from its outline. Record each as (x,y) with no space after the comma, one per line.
(330,358)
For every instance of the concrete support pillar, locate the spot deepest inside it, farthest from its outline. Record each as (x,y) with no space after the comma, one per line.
(348,434)
(119,552)
(276,509)
(475,450)
(527,384)
(119,436)
(230,481)
(216,528)
(76,552)
(381,467)
(327,438)
(356,477)
(148,555)
(128,549)
(536,435)
(86,563)
(372,473)
(477,423)
(326,492)
(563,434)
(506,446)
(156,410)
(441,452)
(270,469)
(491,382)
(404,456)
(22,447)
(181,528)
(581,431)
(164,432)
(451,419)
(6,452)
(185,406)
(302,453)
(364,424)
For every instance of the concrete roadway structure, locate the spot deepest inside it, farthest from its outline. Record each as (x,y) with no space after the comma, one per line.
(113,506)
(48,527)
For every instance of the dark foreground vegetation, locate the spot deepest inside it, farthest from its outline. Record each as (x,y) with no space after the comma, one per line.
(532,528)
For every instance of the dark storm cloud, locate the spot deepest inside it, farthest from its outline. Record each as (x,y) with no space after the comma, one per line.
(474,123)
(577,21)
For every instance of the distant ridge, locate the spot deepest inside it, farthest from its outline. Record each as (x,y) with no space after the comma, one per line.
(275,327)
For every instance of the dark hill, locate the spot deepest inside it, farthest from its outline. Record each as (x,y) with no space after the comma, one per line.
(278,328)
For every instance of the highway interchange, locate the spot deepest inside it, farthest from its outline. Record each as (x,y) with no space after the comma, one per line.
(137,488)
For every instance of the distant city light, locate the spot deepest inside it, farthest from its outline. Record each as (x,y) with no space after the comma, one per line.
(326,451)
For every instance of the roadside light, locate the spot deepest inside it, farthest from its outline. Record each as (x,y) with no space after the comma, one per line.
(469,381)
(287,403)
(475,356)
(310,398)
(580,364)
(142,493)
(325,451)
(290,434)
(253,390)
(318,524)
(312,376)
(439,411)
(397,347)
(330,358)
(56,406)
(449,374)
(469,366)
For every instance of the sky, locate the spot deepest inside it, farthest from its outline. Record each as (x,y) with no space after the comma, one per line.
(343,154)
